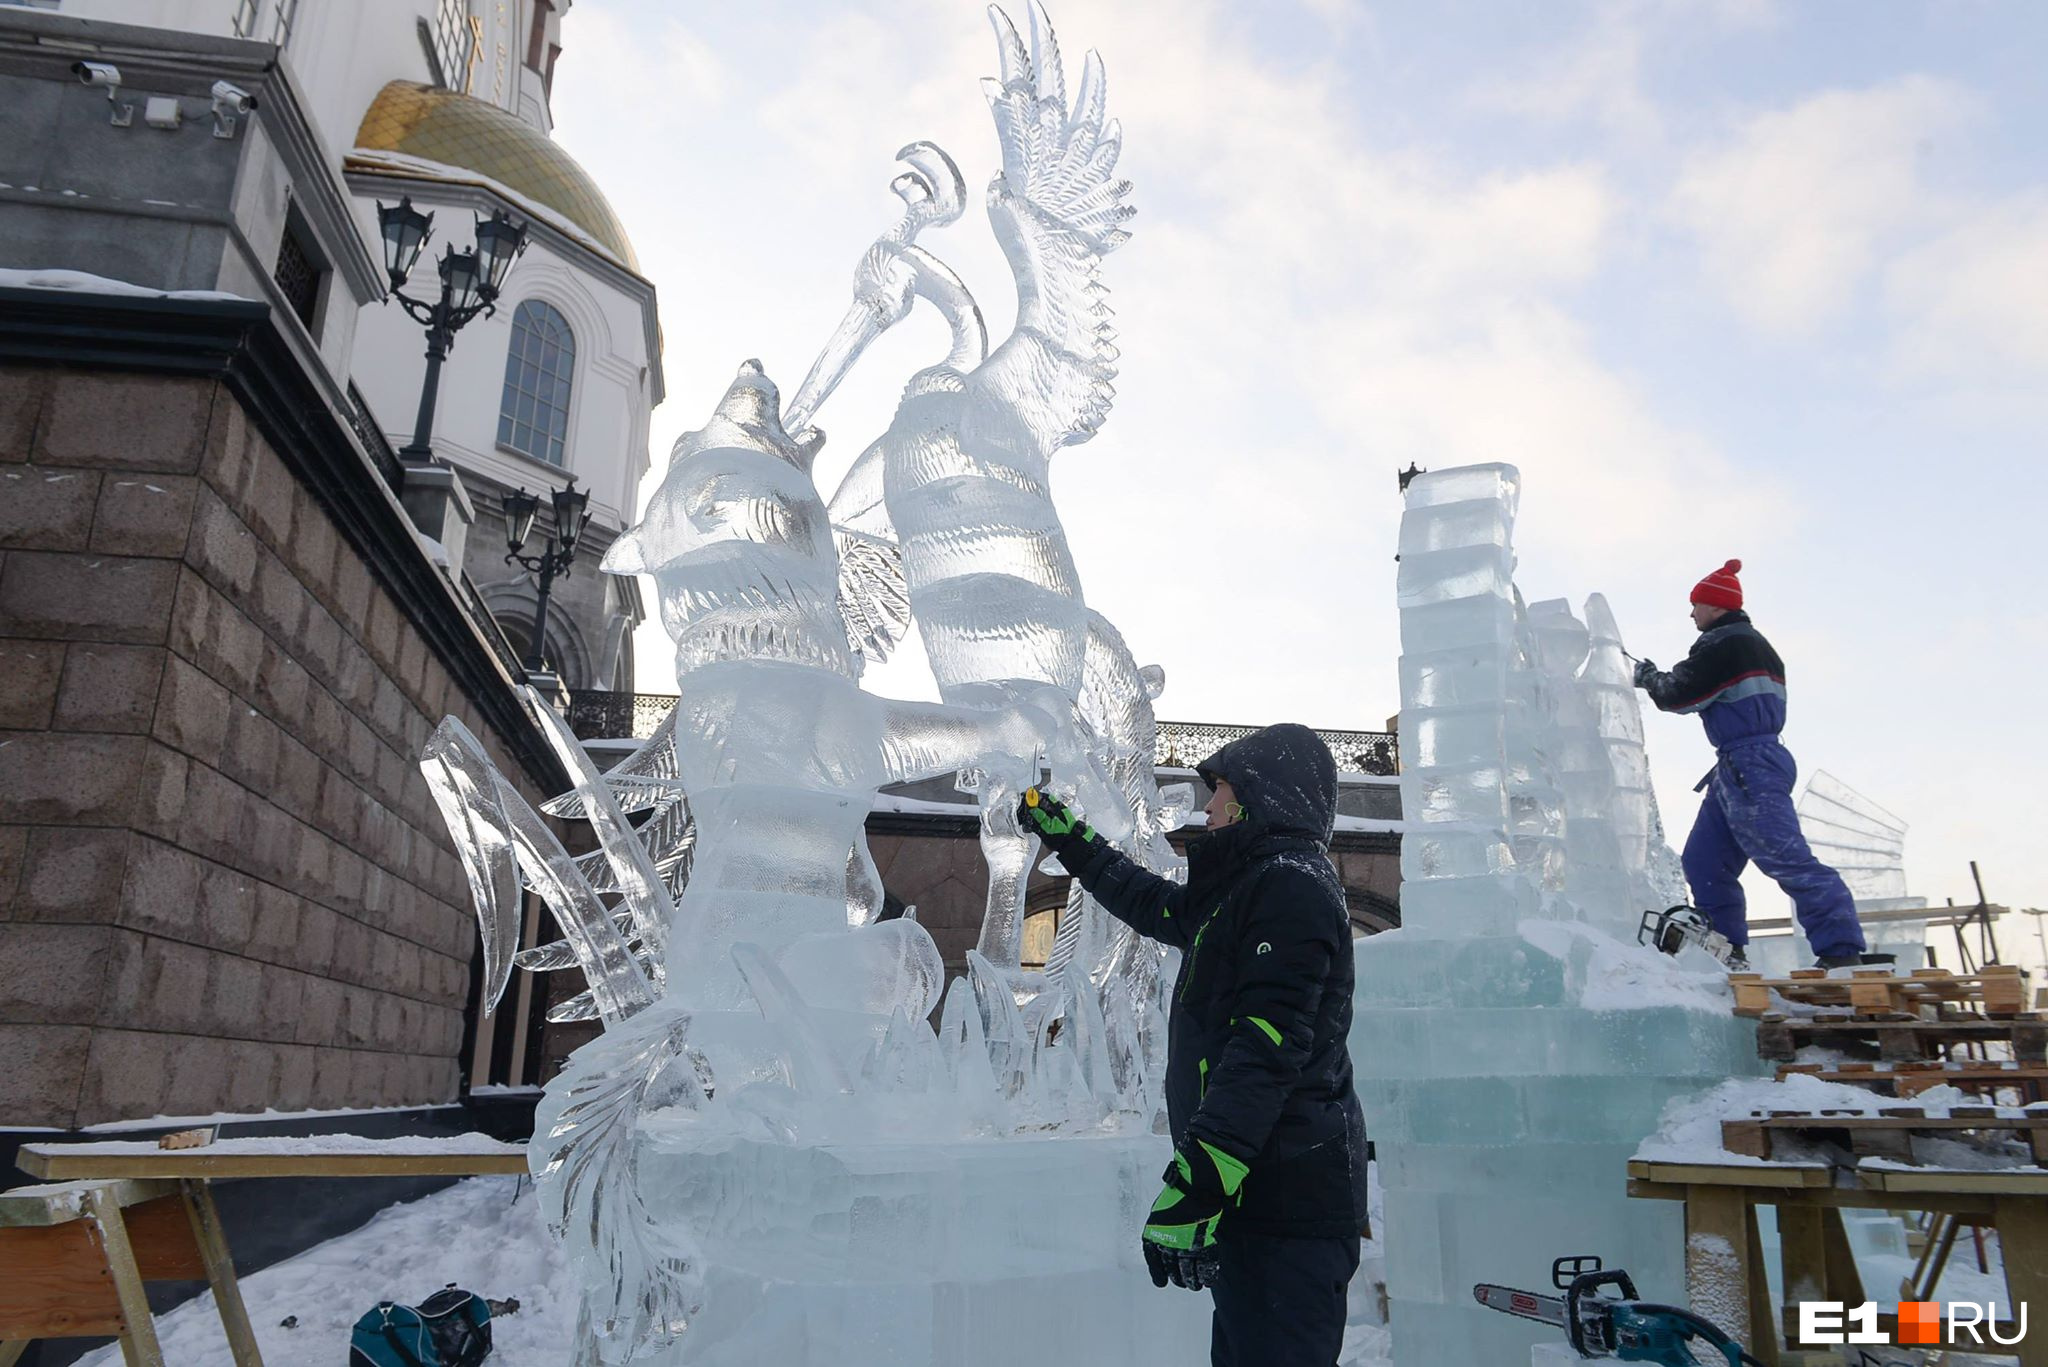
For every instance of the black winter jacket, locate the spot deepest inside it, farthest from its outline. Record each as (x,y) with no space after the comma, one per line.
(1256,1058)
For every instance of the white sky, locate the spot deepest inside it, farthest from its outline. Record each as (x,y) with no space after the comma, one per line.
(1724,279)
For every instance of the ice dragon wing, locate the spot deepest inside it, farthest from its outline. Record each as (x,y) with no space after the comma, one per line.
(1057,208)
(874,595)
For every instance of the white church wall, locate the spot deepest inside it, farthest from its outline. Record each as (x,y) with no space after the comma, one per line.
(609,403)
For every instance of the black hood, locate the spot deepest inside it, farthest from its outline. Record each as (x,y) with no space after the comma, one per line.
(1283,776)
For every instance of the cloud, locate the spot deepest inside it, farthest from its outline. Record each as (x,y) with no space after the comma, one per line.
(1795,209)
(1973,301)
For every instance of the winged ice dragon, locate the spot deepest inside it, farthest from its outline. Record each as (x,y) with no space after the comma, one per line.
(950,513)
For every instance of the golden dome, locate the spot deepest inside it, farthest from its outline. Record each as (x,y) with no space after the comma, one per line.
(468,134)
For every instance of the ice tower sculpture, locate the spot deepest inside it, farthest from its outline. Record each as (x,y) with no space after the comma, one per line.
(950,512)
(1512,1048)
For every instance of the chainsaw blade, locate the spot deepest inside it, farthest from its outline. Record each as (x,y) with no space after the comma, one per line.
(1526,1304)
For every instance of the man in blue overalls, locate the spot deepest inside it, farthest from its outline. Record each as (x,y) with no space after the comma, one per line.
(1736,682)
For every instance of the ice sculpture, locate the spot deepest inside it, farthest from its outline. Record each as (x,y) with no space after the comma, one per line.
(1511,1050)
(770,1154)
(950,512)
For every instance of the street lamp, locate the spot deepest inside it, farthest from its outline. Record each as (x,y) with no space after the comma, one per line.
(470,281)
(521,508)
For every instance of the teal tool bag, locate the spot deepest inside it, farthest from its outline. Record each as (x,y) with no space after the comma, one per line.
(450,1328)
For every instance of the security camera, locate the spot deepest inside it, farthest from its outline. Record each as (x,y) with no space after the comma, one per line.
(106,76)
(228,101)
(232,99)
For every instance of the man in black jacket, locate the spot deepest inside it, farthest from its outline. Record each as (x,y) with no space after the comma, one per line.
(1266,1192)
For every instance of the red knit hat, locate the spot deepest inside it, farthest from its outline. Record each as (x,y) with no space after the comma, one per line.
(1721,589)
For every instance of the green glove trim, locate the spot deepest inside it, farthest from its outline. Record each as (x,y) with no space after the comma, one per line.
(1266,1027)
(1186,1238)
(1228,1169)
(1053,817)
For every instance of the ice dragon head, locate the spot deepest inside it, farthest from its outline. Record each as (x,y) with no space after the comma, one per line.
(739,543)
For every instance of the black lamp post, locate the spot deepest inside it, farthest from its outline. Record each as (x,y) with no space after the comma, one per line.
(470,281)
(521,508)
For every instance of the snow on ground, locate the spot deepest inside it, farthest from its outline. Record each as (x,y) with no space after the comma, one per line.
(484,1234)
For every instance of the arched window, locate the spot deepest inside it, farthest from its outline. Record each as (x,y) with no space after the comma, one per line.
(534,416)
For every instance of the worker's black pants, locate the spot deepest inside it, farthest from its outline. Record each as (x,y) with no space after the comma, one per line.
(1280,1302)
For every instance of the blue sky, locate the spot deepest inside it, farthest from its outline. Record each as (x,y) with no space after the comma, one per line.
(1734,278)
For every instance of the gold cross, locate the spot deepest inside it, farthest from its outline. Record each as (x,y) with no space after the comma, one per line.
(476,53)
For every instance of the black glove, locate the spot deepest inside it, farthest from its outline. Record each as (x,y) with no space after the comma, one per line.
(1180,1234)
(1052,821)
(1644,669)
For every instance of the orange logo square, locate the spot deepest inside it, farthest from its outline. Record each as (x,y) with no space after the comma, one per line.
(1919,1322)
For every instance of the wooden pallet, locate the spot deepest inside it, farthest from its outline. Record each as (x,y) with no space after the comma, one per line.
(1887,1133)
(1926,993)
(1779,1037)
(1979,1077)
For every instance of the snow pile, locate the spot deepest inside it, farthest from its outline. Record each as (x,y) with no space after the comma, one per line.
(1690,1128)
(84,282)
(485,1235)
(1614,975)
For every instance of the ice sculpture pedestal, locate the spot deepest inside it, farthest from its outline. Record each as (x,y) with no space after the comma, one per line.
(1009,1252)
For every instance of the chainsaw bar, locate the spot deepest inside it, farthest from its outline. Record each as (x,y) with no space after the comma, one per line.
(1528,1305)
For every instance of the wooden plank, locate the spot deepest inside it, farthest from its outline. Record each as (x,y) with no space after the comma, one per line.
(1802,1263)
(2023,1239)
(139,1346)
(52,1161)
(10,1353)
(219,1269)
(1763,1325)
(1717,1265)
(1732,1174)
(161,1236)
(59,1203)
(1948,1181)
(54,1283)
(1746,1137)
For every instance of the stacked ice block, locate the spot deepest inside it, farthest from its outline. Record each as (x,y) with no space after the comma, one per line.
(1504,1112)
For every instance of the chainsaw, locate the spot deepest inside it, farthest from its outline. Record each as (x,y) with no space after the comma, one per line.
(1618,1326)
(1673,929)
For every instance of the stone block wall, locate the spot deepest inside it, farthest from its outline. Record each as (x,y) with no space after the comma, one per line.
(223,885)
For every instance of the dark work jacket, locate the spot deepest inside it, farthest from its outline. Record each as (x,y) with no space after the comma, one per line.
(1732,678)
(1256,1059)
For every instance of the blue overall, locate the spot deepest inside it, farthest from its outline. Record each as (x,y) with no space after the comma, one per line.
(1736,683)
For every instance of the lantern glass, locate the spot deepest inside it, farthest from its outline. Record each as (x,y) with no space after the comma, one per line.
(459,277)
(499,241)
(571,507)
(405,232)
(520,510)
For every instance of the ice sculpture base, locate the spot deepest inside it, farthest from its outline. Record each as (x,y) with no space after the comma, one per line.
(999,1252)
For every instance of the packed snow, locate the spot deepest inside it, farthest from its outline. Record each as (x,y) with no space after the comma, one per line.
(484,1235)
(84,282)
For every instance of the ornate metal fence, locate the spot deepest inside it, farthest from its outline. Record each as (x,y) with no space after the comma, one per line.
(1184,744)
(598,715)
(595,715)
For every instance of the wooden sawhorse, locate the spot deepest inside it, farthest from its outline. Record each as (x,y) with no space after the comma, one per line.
(74,1257)
(1724,1257)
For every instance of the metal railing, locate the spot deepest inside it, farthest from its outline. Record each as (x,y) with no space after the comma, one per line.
(364,424)
(598,715)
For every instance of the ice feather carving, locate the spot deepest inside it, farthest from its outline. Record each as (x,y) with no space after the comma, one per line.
(1058,209)
(586,1153)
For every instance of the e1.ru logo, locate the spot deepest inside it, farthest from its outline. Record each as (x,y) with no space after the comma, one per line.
(1919,1322)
